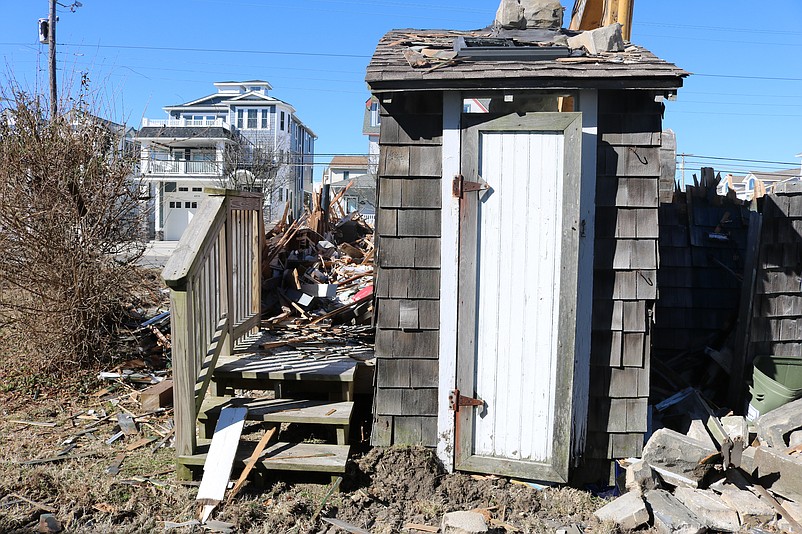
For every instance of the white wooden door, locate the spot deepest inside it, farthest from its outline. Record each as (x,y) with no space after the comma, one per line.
(518,265)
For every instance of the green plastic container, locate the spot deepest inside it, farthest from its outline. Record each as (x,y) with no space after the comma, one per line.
(776,381)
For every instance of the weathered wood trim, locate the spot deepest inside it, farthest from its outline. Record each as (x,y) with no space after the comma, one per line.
(588,106)
(449,280)
(184,373)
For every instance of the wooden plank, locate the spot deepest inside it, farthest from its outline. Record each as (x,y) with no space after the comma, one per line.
(387,221)
(382,434)
(410,252)
(300,411)
(388,313)
(742,358)
(417,344)
(394,161)
(220,460)
(425,161)
(268,435)
(418,222)
(449,282)
(413,402)
(421,193)
(280,456)
(415,431)
(184,374)
(632,353)
(408,283)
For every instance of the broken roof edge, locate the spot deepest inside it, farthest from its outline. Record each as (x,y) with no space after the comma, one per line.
(390,65)
(649,83)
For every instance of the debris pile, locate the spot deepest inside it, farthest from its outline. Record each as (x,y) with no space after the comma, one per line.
(320,267)
(721,474)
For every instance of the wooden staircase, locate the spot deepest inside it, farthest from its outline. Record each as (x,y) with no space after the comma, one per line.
(215,277)
(293,379)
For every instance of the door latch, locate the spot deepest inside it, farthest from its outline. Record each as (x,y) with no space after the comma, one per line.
(460,186)
(455,401)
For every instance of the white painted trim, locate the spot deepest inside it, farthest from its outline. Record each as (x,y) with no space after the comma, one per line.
(449,261)
(588,105)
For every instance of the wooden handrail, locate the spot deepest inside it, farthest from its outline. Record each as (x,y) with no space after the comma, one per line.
(214,277)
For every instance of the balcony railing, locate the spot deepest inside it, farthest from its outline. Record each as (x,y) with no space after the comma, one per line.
(182,123)
(212,168)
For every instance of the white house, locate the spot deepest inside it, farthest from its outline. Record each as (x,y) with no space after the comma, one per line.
(239,136)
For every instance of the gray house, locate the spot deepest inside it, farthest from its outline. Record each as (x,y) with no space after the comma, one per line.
(517,247)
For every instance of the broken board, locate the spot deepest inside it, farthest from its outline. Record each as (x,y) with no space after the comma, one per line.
(220,459)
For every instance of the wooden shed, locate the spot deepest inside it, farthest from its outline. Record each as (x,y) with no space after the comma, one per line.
(517,247)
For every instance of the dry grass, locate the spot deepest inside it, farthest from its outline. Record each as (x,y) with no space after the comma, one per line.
(381,492)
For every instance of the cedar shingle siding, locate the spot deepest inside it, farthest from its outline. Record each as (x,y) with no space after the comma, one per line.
(408,271)
(625,271)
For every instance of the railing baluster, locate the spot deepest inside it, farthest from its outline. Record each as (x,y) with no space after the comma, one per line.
(215,285)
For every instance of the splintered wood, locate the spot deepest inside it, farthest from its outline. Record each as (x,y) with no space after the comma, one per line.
(320,267)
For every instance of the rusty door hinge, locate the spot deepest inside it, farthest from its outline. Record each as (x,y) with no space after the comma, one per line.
(461,186)
(455,400)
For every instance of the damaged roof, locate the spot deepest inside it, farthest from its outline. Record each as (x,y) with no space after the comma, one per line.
(426,59)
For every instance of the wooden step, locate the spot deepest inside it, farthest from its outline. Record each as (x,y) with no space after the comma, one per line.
(289,367)
(318,412)
(320,458)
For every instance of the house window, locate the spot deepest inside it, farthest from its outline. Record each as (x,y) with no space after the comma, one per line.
(240,115)
(346,175)
(175,204)
(265,119)
(282,122)
(280,195)
(197,189)
(194,205)
(252,120)
(351,204)
(169,187)
(187,204)
(183,188)
(375,118)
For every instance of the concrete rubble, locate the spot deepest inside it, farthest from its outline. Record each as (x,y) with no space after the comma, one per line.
(682,485)
(606,39)
(523,14)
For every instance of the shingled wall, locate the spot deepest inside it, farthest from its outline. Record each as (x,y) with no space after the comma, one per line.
(408,270)
(625,271)
(777,308)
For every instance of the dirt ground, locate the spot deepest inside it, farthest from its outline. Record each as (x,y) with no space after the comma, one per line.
(383,490)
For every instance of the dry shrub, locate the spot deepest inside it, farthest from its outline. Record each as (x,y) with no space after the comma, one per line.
(71,229)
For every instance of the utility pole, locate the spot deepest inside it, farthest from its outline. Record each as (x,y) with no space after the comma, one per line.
(51,35)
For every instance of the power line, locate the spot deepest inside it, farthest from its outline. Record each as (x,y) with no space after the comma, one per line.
(216,50)
(738,159)
(719,28)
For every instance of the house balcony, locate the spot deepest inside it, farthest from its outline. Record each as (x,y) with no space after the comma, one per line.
(185,168)
(185,123)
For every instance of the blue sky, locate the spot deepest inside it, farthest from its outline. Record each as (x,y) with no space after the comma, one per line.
(742,102)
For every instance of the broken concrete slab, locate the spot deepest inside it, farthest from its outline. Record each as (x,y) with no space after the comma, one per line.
(606,39)
(463,523)
(779,472)
(795,438)
(774,426)
(736,427)
(628,511)
(640,477)
(709,507)
(698,431)
(677,458)
(751,510)
(795,511)
(521,14)
(670,516)
(748,460)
